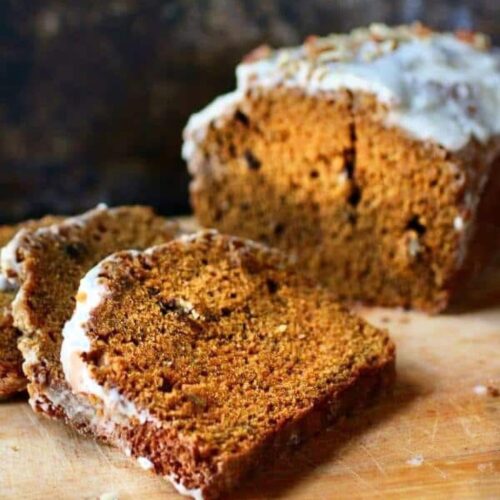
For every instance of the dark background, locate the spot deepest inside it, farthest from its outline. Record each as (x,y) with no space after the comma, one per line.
(94,94)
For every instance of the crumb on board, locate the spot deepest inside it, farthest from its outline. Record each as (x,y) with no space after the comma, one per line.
(488,466)
(480,390)
(145,463)
(486,390)
(493,391)
(415,460)
(108,495)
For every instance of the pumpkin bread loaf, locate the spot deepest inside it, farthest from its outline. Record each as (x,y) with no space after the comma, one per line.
(371,157)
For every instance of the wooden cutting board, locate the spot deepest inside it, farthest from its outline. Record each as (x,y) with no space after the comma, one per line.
(437,437)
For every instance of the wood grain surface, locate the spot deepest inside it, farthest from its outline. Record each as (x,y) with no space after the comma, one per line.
(438,436)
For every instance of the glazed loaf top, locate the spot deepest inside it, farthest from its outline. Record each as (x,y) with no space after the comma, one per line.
(443,87)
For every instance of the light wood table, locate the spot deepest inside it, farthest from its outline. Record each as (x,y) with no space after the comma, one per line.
(437,437)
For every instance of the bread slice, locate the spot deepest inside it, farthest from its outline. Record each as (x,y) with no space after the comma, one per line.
(12,379)
(211,353)
(372,156)
(46,265)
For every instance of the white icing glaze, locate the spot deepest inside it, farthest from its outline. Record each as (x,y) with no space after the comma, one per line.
(436,87)
(6,285)
(145,463)
(76,342)
(195,493)
(200,121)
(414,247)
(78,409)
(30,355)
(458,223)
(9,266)
(190,237)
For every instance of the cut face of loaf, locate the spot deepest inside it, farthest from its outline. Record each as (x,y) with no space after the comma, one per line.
(375,188)
(45,265)
(213,354)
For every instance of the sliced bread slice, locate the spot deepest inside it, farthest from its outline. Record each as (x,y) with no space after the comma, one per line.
(46,265)
(12,379)
(212,354)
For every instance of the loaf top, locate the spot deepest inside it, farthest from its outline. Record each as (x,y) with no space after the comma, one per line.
(443,87)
